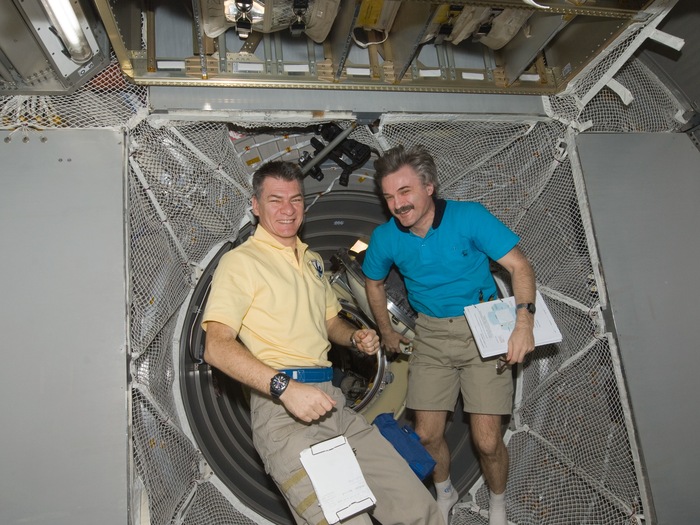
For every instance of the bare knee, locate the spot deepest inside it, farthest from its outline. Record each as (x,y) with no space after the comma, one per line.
(429,437)
(430,427)
(489,445)
(486,435)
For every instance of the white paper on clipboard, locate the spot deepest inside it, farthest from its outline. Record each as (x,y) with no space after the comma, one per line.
(337,479)
(492,322)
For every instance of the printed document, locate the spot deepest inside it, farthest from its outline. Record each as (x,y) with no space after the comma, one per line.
(492,322)
(337,479)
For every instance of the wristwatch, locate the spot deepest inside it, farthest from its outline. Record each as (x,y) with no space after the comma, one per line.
(278,384)
(530,307)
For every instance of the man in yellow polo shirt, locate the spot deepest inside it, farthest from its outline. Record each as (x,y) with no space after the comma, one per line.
(270,318)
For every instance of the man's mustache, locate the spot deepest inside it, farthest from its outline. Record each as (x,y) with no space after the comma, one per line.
(403,209)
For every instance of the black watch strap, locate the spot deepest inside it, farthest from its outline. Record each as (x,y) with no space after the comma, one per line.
(530,307)
(278,384)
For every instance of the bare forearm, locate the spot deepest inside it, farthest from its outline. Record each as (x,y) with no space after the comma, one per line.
(339,331)
(224,352)
(524,290)
(521,341)
(376,297)
(523,281)
(343,333)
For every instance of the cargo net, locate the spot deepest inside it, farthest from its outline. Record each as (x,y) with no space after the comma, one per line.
(106,101)
(616,92)
(572,455)
(652,108)
(188,191)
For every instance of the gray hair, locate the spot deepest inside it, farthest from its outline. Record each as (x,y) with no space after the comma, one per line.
(277,169)
(417,157)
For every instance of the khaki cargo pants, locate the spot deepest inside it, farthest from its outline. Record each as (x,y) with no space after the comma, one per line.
(279,438)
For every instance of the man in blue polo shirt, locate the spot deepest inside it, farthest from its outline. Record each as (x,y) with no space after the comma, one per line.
(443,250)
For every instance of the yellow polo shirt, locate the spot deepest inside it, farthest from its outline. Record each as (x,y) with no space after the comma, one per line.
(278,304)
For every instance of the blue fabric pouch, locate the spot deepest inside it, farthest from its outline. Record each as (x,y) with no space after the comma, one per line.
(407,443)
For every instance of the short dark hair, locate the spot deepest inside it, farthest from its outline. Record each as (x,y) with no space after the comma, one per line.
(417,157)
(277,169)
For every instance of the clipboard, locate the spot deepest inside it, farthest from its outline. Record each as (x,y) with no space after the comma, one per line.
(492,323)
(337,479)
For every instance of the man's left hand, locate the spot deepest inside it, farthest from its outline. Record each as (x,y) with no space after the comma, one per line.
(520,343)
(367,341)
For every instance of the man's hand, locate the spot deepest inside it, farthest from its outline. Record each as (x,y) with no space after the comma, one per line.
(376,296)
(520,343)
(391,340)
(306,402)
(367,341)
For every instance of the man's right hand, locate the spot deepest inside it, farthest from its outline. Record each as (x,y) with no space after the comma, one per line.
(306,402)
(391,340)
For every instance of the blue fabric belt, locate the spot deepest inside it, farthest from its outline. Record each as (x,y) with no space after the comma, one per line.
(311,374)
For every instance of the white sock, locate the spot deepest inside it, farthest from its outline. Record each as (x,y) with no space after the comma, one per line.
(446,498)
(497,509)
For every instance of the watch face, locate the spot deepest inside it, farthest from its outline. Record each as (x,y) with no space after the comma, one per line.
(278,384)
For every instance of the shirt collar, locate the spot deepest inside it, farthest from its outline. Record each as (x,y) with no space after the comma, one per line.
(440,205)
(262,235)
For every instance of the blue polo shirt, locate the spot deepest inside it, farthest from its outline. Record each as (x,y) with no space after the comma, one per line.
(447,269)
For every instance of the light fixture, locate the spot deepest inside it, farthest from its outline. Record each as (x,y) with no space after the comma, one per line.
(297,27)
(241,13)
(66,17)
(63,46)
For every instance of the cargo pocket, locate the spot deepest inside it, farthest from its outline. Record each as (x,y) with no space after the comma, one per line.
(283,445)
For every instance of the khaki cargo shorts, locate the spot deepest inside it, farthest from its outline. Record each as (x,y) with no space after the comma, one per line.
(445,361)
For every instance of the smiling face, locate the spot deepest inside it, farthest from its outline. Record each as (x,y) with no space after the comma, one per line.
(280,209)
(409,200)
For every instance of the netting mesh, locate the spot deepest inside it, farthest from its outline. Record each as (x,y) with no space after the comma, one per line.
(160,277)
(165,461)
(653,109)
(548,489)
(588,102)
(554,219)
(209,506)
(188,190)
(107,100)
